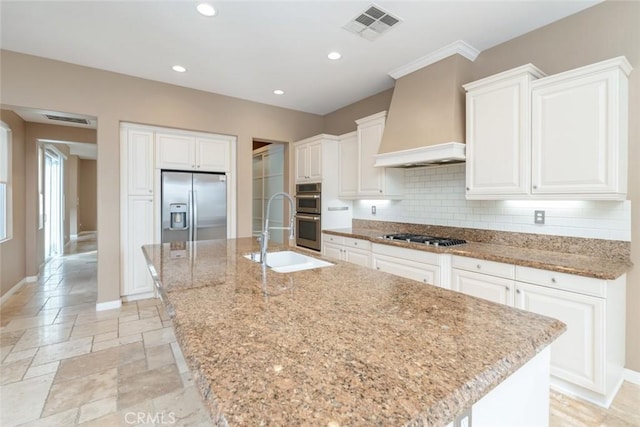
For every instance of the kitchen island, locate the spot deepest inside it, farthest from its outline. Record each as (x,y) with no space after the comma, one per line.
(342,345)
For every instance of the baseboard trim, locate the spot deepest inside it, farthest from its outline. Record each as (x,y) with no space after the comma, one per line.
(632,376)
(137,297)
(109,305)
(13,290)
(31,279)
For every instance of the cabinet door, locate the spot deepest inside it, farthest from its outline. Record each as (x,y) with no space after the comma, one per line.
(498,134)
(491,288)
(175,152)
(577,355)
(314,155)
(348,166)
(302,168)
(576,135)
(425,273)
(370,178)
(139,232)
(357,256)
(139,162)
(212,154)
(331,250)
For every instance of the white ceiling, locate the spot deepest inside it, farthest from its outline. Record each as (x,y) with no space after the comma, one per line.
(251,48)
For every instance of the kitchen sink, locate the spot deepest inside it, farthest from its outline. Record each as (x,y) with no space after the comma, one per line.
(289,261)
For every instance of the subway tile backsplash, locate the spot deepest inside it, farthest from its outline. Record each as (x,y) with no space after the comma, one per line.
(436,195)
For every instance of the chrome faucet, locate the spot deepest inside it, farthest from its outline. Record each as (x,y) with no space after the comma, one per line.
(264,241)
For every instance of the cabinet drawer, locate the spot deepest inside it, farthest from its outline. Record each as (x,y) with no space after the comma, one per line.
(338,240)
(410,254)
(564,281)
(483,266)
(357,243)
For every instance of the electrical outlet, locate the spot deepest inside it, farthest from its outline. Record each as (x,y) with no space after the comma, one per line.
(538,217)
(373,210)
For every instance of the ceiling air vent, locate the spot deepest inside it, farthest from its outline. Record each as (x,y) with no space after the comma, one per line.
(77,120)
(372,23)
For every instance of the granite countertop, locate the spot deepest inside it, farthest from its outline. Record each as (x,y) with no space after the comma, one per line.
(340,345)
(563,262)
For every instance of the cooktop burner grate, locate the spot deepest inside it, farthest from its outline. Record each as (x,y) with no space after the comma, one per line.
(427,240)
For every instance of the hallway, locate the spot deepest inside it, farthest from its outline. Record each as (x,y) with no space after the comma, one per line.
(65,364)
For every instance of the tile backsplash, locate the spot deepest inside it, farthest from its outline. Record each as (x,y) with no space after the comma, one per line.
(436,195)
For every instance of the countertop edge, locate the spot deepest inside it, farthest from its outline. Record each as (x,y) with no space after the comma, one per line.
(621,268)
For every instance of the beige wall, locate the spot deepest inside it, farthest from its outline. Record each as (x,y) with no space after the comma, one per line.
(88,203)
(12,252)
(33,82)
(344,120)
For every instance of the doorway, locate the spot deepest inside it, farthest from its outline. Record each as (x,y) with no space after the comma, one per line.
(53,202)
(268,179)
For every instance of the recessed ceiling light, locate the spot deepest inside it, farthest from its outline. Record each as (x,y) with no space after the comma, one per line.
(278,92)
(178,69)
(206,9)
(334,56)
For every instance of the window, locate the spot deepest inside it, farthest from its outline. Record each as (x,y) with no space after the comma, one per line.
(5,182)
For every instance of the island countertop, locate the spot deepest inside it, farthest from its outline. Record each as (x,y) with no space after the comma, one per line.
(343,344)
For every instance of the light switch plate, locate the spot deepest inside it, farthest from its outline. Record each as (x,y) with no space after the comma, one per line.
(538,217)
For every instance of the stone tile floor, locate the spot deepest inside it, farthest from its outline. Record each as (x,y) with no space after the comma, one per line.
(64,364)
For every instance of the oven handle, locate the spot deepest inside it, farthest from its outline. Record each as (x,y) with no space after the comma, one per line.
(312,196)
(312,218)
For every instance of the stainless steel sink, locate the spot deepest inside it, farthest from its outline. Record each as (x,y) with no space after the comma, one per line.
(289,261)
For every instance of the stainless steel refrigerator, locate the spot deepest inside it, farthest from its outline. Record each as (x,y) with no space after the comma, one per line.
(194,206)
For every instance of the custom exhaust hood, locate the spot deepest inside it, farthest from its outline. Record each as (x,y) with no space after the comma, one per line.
(426,120)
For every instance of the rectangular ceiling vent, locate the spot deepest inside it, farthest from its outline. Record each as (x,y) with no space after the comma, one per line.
(372,23)
(77,120)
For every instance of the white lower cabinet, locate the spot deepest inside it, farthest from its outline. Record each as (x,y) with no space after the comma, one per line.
(490,280)
(411,264)
(577,356)
(139,233)
(355,251)
(588,359)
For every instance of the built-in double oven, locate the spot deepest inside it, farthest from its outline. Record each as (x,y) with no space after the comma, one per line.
(308,215)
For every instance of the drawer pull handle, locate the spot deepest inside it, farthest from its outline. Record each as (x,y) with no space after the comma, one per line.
(553,280)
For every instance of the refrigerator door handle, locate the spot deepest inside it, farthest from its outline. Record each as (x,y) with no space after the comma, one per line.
(190,197)
(194,199)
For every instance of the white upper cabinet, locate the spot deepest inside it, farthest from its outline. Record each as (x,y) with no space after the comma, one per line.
(348,165)
(309,160)
(579,132)
(498,133)
(139,161)
(359,178)
(558,137)
(192,152)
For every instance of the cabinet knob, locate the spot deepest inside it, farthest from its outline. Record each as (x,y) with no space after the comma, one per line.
(468,189)
(507,288)
(193,166)
(380,191)
(535,187)
(150,191)
(424,280)
(377,268)
(355,243)
(517,291)
(553,280)
(478,266)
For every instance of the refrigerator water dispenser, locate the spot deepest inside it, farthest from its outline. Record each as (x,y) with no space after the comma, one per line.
(178,216)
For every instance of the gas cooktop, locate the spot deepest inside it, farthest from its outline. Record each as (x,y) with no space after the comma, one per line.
(427,240)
